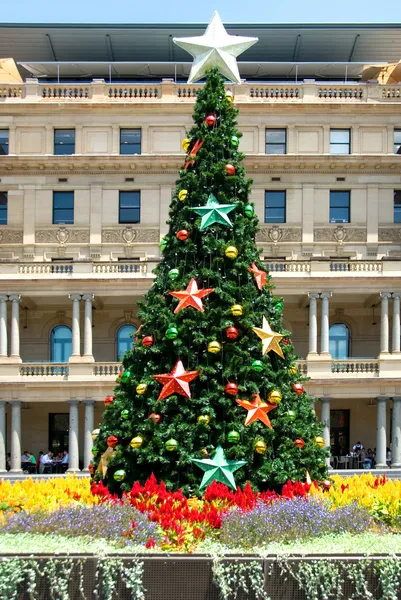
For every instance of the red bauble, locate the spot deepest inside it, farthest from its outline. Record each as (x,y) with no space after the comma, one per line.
(148,341)
(326,484)
(232,333)
(286,342)
(91,468)
(109,400)
(298,388)
(231,388)
(210,120)
(230,169)
(299,443)
(155,417)
(112,441)
(182,235)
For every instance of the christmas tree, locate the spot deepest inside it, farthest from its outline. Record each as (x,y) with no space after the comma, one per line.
(210,389)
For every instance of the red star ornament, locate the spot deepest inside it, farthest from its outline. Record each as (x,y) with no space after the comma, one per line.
(191,296)
(257,410)
(176,382)
(260,276)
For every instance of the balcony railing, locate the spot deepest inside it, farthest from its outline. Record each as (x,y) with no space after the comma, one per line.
(167,91)
(48,370)
(76,270)
(355,367)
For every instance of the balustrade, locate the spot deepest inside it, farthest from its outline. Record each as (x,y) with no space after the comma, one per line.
(142,92)
(341,93)
(288,267)
(357,266)
(352,367)
(107,369)
(44,370)
(120,267)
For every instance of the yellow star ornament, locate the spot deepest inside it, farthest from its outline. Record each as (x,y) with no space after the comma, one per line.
(270,339)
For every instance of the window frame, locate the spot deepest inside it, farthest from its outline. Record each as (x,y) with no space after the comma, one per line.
(7,143)
(348,208)
(347,339)
(398,144)
(128,221)
(62,144)
(283,208)
(4,209)
(123,144)
(52,344)
(397,209)
(57,220)
(119,355)
(343,129)
(278,144)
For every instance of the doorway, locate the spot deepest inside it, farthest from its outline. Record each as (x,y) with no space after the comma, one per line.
(339,432)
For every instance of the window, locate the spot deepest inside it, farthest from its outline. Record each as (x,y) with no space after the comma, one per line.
(397,206)
(3,141)
(3,208)
(130,207)
(124,340)
(275,206)
(339,341)
(64,141)
(130,141)
(340,141)
(276,141)
(340,206)
(60,344)
(63,208)
(397,141)
(58,432)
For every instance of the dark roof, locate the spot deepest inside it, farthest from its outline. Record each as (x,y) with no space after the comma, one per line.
(152,43)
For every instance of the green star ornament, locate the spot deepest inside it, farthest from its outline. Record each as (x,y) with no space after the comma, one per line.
(214,212)
(219,469)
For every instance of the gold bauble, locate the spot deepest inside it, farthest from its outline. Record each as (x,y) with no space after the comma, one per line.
(230,96)
(214,347)
(293,370)
(136,442)
(141,388)
(231,252)
(237,310)
(275,397)
(319,441)
(186,142)
(204,419)
(182,195)
(260,447)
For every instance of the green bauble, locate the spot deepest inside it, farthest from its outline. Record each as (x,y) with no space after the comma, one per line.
(249,210)
(125,375)
(95,450)
(234,141)
(173,274)
(124,414)
(279,306)
(163,244)
(257,366)
(291,415)
(171,445)
(172,333)
(233,437)
(119,475)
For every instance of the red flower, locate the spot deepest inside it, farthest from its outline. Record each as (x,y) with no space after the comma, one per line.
(150,543)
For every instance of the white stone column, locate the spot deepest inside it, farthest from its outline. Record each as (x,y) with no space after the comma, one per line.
(15,436)
(76,333)
(313,296)
(15,345)
(73,432)
(396,434)
(3,437)
(324,335)
(89,426)
(381,436)
(325,418)
(3,325)
(88,353)
(384,330)
(395,347)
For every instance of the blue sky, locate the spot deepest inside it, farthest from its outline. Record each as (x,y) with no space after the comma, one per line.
(200,11)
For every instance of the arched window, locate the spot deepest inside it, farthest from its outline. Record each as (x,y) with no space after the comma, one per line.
(60,344)
(124,340)
(339,341)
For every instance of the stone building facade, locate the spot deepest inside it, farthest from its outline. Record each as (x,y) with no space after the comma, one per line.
(87,169)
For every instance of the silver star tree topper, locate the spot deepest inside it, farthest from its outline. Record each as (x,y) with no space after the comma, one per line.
(215,48)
